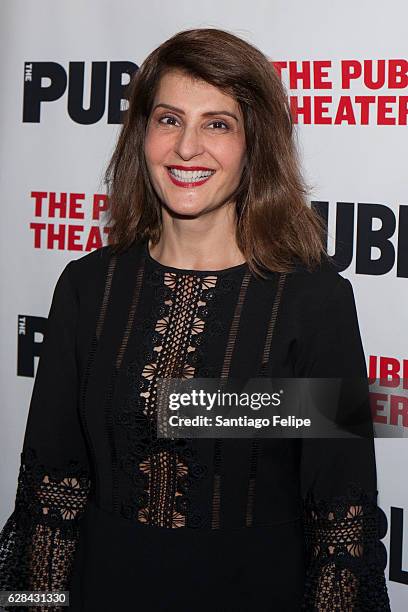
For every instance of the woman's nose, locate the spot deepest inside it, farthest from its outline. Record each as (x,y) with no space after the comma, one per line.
(189,143)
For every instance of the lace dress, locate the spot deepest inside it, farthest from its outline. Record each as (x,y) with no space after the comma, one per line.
(125,520)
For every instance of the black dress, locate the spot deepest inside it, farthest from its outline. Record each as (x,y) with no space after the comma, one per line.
(126,521)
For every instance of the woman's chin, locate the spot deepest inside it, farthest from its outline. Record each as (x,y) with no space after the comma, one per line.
(187,210)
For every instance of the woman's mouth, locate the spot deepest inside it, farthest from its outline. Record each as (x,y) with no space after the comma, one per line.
(189,178)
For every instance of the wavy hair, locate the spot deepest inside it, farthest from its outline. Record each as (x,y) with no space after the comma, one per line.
(275,225)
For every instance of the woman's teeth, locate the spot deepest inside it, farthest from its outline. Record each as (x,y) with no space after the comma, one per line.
(190,176)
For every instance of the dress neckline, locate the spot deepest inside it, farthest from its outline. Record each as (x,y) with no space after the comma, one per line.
(161,266)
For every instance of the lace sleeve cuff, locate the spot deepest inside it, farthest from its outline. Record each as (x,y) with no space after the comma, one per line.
(38,542)
(345,557)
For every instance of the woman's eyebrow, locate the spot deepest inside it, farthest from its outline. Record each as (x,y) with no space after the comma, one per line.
(207,114)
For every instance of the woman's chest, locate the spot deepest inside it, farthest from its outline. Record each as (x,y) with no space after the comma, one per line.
(172,326)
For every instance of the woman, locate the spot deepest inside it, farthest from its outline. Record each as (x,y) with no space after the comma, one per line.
(215,268)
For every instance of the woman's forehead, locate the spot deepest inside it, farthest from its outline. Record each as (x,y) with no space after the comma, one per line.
(177,88)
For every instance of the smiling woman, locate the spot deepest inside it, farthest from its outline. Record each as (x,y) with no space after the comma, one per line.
(206,100)
(195,132)
(215,268)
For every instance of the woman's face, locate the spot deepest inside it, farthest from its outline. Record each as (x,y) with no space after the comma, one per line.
(195,145)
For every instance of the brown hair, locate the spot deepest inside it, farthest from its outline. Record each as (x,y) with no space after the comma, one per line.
(275,225)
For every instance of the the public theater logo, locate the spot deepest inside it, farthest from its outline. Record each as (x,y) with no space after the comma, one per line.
(46,82)
(379,243)
(388,378)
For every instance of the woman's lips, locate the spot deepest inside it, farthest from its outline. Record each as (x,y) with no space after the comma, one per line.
(189,184)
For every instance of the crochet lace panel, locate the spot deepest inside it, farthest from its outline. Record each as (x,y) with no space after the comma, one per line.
(345,557)
(164,472)
(38,542)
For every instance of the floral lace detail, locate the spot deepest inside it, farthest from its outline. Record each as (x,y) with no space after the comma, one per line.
(345,557)
(177,333)
(165,472)
(38,542)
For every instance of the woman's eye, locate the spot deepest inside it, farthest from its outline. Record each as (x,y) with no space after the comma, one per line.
(172,119)
(217,124)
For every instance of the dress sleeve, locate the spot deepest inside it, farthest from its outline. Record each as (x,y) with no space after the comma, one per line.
(39,539)
(343,525)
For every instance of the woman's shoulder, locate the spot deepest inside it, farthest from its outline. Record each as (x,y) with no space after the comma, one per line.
(89,268)
(312,296)
(89,274)
(98,261)
(317,282)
